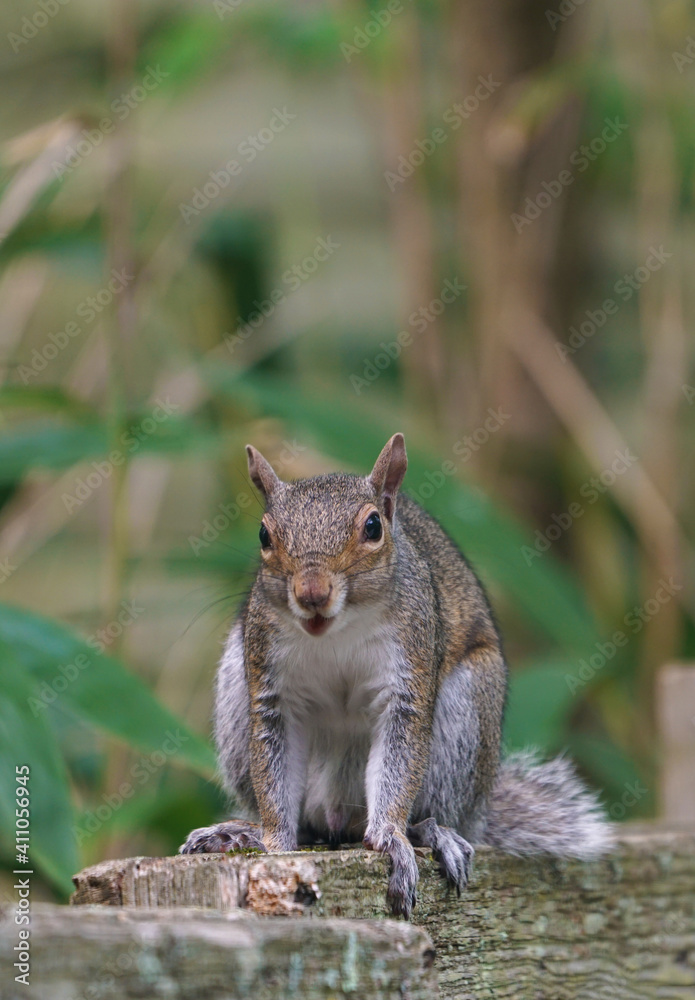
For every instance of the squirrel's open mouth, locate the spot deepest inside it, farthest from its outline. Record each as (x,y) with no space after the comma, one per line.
(316,625)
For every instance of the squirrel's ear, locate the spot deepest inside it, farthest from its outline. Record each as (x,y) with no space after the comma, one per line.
(389,469)
(262,475)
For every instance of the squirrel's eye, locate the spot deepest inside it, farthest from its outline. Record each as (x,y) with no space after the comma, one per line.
(264,536)
(372,528)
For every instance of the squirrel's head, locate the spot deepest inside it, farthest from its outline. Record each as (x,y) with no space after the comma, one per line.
(327,542)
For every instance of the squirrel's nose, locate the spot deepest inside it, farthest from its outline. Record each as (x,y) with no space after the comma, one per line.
(312,594)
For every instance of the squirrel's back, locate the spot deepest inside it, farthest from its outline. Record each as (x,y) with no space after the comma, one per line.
(463,608)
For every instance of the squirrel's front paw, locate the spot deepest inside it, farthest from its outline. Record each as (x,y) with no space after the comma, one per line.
(234,835)
(404,874)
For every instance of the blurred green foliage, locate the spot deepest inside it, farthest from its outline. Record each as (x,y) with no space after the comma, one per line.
(105,499)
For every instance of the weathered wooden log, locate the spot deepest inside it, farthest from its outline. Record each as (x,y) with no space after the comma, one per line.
(619,928)
(98,953)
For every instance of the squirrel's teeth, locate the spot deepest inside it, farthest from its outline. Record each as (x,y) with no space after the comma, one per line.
(316,625)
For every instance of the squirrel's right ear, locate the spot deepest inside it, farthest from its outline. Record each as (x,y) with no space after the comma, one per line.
(262,475)
(389,469)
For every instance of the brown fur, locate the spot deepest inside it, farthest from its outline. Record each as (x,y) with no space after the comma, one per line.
(425,747)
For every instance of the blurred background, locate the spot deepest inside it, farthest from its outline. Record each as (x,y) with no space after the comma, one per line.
(309,226)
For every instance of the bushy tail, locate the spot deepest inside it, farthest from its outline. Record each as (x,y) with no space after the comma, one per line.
(543,807)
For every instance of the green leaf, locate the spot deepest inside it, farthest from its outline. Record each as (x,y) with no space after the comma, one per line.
(49,398)
(98,688)
(537,708)
(626,795)
(72,243)
(52,445)
(219,558)
(188,47)
(39,444)
(192,807)
(25,738)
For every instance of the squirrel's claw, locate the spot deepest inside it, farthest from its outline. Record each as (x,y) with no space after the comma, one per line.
(401,892)
(404,874)
(234,835)
(455,856)
(449,849)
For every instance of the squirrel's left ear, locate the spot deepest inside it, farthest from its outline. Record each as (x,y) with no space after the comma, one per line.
(261,472)
(389,469)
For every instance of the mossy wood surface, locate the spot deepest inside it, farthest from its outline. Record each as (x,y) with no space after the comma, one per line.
(538,929)
(99,953)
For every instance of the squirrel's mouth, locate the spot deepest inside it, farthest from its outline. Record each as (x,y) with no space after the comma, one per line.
(316,625)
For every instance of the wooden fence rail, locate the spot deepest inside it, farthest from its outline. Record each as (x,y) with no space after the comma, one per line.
(622,928)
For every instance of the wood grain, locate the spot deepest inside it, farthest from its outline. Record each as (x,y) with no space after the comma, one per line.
(103,953)
(542,929)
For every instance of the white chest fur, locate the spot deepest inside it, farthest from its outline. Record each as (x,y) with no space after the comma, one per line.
(333,691)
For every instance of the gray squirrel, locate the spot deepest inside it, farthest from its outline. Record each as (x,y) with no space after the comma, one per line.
(362,689)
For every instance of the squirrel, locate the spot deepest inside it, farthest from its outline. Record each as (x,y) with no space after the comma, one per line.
(361,693)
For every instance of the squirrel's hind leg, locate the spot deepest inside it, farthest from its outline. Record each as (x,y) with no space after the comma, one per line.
(234,835)
(450,850)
